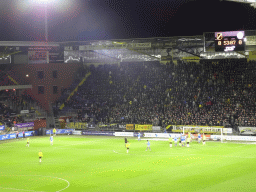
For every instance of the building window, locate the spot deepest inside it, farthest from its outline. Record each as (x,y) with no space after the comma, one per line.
(55,74)
(40,74)
(55,89)
(40,89)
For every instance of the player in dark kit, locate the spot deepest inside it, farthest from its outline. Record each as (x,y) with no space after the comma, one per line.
(125,141)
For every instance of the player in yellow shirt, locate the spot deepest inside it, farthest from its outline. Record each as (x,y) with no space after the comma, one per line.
(188,141)
(27,142)
(40,154)
(127,146)
(204,138)
(54,132)
(170,141)
(189,135)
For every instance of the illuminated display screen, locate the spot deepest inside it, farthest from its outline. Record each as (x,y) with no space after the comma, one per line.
(229,41)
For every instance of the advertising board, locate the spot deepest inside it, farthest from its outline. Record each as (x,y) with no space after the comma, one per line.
(105,133)
(25,125)
(124,134)
(2,127)
(60,131)
(13,135)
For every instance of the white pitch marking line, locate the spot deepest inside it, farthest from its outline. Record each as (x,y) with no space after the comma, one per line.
(40,176)
(20,189)
(182,154)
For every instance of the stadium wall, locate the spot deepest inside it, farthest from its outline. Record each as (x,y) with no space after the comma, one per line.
(65,76)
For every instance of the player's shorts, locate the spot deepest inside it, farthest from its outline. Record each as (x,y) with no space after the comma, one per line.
(187,142)
(27,142)
(180,141)
(203,140)
(40,157)
(127,148)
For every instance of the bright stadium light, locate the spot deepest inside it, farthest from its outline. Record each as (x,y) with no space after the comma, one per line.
(37,10)
(45,3)
(240,35)
(42,1)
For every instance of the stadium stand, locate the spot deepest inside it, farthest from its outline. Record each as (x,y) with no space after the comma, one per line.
(186,93)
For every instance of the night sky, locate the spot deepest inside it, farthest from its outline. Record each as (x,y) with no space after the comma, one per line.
(82,20)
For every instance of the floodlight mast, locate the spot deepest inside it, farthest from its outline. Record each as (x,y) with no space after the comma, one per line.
(46,23)
(44,2)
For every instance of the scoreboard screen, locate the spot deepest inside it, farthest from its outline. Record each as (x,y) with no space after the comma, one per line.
(229,41)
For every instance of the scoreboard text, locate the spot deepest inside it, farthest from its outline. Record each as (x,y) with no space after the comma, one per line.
(229,41)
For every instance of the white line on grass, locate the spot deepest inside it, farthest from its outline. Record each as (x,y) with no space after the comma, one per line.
(19,189)
(39,176)
(182,154)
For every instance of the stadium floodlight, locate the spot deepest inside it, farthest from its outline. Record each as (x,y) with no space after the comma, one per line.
(45,3)
(42,1)
(240,35)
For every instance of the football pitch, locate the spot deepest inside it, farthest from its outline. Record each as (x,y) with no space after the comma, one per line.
(98,163)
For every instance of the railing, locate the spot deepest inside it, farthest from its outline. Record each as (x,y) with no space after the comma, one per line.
(15,87)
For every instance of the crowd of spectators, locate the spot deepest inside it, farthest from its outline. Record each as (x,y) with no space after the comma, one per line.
(186,93)
(11,105)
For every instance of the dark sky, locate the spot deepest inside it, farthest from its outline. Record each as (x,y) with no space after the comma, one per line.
(73,20)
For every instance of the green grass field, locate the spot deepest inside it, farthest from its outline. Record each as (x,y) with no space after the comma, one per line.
(97,163)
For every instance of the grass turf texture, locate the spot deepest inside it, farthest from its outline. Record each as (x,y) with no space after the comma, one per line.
(97,163)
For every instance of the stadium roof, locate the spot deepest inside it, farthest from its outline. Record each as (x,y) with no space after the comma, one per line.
(251,2)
